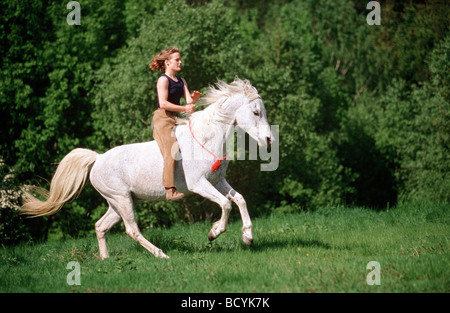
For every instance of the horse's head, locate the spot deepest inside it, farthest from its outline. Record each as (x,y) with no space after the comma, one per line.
(237,103)
(251,117)
(249,112)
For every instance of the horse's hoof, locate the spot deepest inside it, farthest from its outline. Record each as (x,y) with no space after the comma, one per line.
(162,255)
(215,232)
(211,236)
(247,240)
(103,257)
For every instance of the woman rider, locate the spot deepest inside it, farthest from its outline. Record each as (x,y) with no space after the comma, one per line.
(170,88)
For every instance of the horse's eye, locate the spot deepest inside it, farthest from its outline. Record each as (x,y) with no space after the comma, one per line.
(256,113)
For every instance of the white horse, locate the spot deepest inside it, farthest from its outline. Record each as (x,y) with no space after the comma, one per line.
(133,172)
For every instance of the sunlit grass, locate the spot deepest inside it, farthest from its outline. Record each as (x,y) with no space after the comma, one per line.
(322,251)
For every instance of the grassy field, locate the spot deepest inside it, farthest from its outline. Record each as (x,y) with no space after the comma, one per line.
(322,251)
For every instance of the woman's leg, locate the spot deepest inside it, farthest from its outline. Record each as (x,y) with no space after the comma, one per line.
(163,125)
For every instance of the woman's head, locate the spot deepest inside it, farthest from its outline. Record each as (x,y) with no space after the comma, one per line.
(169,57)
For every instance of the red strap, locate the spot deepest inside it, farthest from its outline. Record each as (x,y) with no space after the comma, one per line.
(218,162)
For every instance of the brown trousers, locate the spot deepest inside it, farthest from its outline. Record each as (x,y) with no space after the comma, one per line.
(163,124)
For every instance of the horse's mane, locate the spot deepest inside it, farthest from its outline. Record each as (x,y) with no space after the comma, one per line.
(222,91)
(203,121)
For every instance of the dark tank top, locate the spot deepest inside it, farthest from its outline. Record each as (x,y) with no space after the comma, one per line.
(176,90)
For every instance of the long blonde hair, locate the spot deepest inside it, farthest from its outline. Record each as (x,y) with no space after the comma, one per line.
(158,61)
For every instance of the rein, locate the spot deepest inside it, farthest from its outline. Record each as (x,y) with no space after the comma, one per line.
(218,162)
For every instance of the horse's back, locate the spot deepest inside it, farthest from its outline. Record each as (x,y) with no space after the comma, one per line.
(129,156)
(129,169)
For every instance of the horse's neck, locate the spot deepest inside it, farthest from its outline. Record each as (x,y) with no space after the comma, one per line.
(213,126)
(209,137)
(215,136)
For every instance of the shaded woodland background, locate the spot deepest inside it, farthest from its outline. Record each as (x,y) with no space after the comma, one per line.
(363,110)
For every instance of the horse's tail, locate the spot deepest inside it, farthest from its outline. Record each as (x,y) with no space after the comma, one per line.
(68,181)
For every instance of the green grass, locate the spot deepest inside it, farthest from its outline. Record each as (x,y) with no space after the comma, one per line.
(322,251)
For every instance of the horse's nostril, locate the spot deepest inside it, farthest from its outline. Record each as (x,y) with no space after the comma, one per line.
(269,141)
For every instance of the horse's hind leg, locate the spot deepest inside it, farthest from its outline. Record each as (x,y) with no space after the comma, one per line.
(102,226)
(124,206)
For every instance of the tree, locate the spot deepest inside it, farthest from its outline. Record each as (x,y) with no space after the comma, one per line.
(415,124)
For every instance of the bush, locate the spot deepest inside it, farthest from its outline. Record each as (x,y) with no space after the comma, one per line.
(363,111)
(125,96)
(13,228)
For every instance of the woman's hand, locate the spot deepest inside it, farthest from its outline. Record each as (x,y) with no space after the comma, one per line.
(195,95)
(189,108)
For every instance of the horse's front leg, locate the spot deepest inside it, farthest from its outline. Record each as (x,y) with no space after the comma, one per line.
(238,199)
(204,188)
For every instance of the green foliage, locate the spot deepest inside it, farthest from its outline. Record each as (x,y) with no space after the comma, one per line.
(409,33)
(415,125)
(304,95)
(125,97)
(14,228)
(11,228)
(372,168)
(363,111)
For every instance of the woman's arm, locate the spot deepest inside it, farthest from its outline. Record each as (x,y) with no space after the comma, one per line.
(190,98)
(163,94)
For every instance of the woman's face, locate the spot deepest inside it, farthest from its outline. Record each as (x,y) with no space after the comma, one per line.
(174,62)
